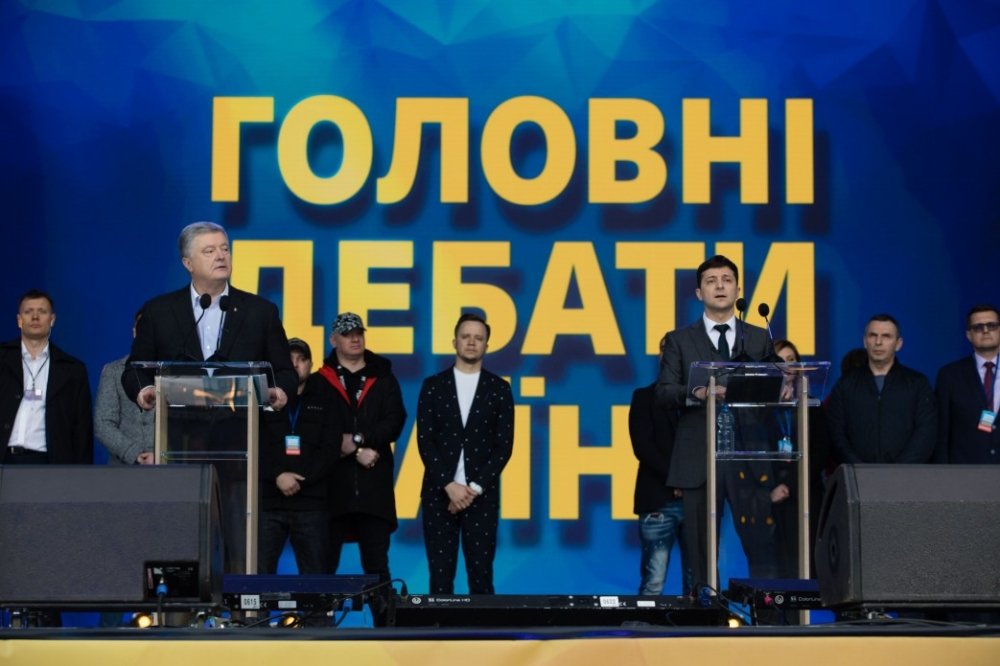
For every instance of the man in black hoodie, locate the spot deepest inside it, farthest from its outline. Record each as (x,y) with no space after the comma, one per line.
(297,455)
(370,403)
(883,412)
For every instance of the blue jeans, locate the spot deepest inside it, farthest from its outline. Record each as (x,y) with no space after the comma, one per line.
(658,531)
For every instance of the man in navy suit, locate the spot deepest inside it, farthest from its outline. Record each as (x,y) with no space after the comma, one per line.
(717,336)
(968,396)
(465,434)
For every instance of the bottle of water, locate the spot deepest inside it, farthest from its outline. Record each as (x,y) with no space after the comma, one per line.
(725,436)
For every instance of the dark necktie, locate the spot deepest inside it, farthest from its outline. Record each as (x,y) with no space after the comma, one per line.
(988,381)
(723,342)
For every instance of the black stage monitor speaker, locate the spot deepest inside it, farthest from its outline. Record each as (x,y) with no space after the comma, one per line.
(910,536)
(81,536)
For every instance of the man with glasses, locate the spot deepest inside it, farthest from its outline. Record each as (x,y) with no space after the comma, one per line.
(968,396)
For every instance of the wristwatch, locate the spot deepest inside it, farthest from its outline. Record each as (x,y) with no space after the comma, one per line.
(358,438)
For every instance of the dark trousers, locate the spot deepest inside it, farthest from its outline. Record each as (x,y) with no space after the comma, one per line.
(757,540)
(477,529)
(309,532)
(372,534)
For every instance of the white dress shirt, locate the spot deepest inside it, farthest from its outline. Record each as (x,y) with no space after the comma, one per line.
(210,326)
(465,387)
(981,367)
(29,424)
(714,334)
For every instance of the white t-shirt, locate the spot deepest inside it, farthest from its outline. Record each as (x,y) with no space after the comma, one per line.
(465,388)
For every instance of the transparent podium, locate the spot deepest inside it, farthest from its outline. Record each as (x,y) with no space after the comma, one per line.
(757,451)
(209,413)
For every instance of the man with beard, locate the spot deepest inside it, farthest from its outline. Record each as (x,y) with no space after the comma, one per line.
(362,498)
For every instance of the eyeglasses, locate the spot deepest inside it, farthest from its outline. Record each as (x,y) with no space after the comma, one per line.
(985,326)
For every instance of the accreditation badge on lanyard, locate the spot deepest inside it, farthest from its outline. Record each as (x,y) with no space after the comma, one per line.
(986,420)
(293,443)
(33,394)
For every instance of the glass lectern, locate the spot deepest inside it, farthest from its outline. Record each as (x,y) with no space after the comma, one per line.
(757,435)
(209,412)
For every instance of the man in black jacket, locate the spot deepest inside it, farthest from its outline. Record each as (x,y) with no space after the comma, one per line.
(370,404)
(883,412)
(44,393)
(659,506)
(297,454)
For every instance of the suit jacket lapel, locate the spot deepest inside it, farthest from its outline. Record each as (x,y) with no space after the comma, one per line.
(57,378)
(706,351)
(232,321)
(184,316)
(13,360)
(452,393)
(481,392)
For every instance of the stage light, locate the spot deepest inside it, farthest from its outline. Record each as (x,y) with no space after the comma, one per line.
(289,621)
(142,621)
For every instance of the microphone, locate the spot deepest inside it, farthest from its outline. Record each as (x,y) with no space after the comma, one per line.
(204,301)
(741,307)
(763,310)
(224,306)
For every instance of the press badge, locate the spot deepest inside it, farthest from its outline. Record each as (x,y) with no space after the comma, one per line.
(293,445)
(33,394)
(986,420)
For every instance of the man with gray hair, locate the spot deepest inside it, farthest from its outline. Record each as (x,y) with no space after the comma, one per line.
(209,320)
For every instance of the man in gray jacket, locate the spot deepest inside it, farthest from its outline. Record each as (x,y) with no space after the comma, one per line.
(125,430)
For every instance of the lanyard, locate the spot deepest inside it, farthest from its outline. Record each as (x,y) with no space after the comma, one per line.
(785,422)
(293,415)
(34,375)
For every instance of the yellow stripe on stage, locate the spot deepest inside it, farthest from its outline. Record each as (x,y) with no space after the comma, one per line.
(745,650)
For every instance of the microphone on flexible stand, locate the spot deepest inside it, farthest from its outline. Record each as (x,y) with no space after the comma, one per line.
(224,306)
(741,307)
(763,310)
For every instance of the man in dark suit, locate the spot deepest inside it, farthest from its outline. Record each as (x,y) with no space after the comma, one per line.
(968,396)
(209,320)
(717,336)
(44,393)
(465,433)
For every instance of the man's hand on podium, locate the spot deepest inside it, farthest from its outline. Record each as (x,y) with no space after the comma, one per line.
(147,398)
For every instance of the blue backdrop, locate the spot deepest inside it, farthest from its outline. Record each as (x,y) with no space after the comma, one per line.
(867,183)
